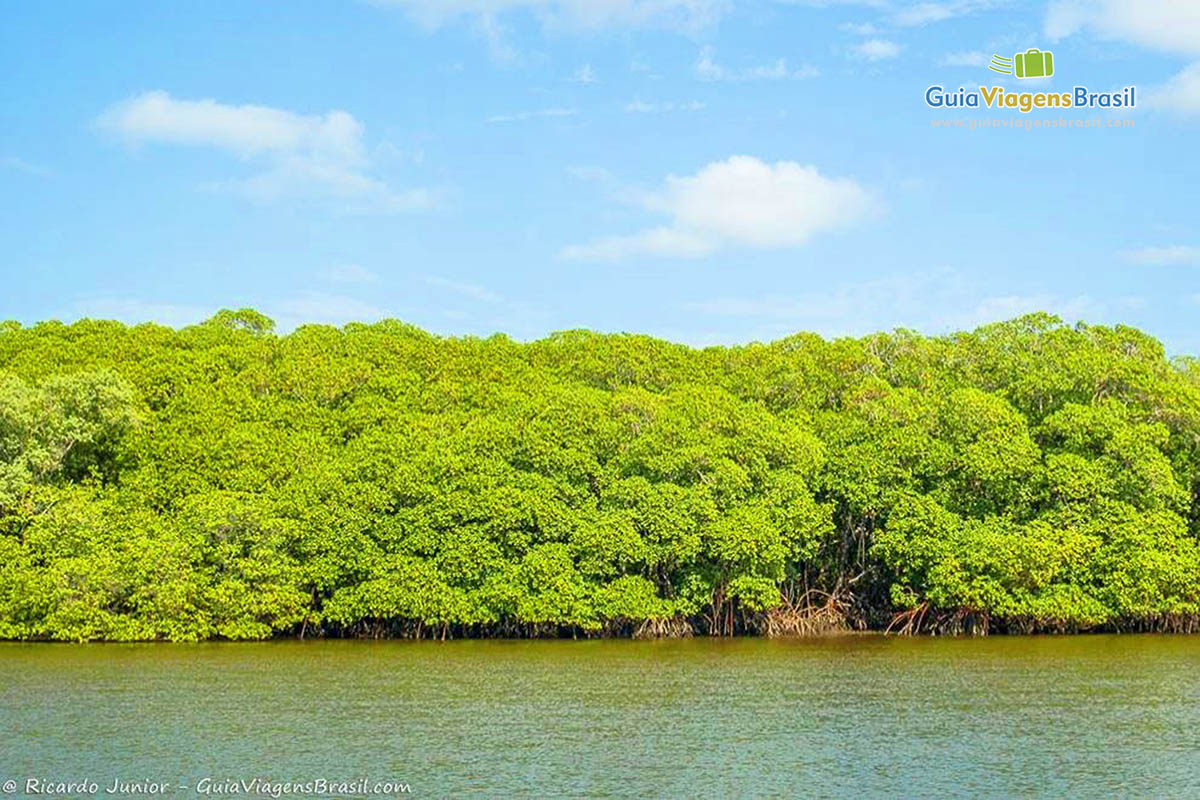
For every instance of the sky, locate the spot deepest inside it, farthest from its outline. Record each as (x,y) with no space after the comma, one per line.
(707,171)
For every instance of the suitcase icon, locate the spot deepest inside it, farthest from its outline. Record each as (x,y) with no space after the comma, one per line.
(1034,63)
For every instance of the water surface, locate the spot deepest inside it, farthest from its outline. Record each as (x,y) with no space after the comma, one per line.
(858,716)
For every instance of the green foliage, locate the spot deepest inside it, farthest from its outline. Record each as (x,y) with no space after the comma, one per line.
(222,481)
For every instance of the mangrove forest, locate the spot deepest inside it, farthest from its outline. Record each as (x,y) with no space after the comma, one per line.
(223,481)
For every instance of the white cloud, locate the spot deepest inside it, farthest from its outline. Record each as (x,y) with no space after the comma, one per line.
(638,107)
(349,273)
(306,157)
(541,113)
(1169,25)
(584,74)
(1169,256)
(965,58)
(708,69)
(247,130)
(577,14)
(738,202)
(876,49)
(1180,94)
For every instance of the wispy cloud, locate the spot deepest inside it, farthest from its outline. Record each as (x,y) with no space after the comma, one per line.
(133,312)
(687,15)
(925,13)
(1172,26)
(739,202)
(586,172)
(349,273)
(472,291)
(21,165)
(906,14)
(965,58)
(875,50)
(937,301)
(289,312)
(916,14)
(638,107)
(541,113)
(661,242)
(860,28)
(472,306)
(708,69)
(321,308)
(1169,256)
(584,74)
(639,66)
(301,157)
(1180,94)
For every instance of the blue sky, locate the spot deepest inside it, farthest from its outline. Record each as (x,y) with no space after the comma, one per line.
(703,170)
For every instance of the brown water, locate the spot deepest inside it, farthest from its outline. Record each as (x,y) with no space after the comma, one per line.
(1084,716)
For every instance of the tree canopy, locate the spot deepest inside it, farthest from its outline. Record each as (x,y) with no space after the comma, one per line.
(224,481)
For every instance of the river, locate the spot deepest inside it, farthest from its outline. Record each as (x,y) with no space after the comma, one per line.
(853,716)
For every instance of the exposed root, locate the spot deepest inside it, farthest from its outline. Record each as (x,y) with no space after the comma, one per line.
(960,622)
(814,613)
(1163,623)
(906,623)
(963,622)
(670,628)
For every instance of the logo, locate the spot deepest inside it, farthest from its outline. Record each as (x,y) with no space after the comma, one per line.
(1033,63)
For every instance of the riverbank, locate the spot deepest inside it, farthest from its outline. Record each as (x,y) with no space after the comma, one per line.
(224,482)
